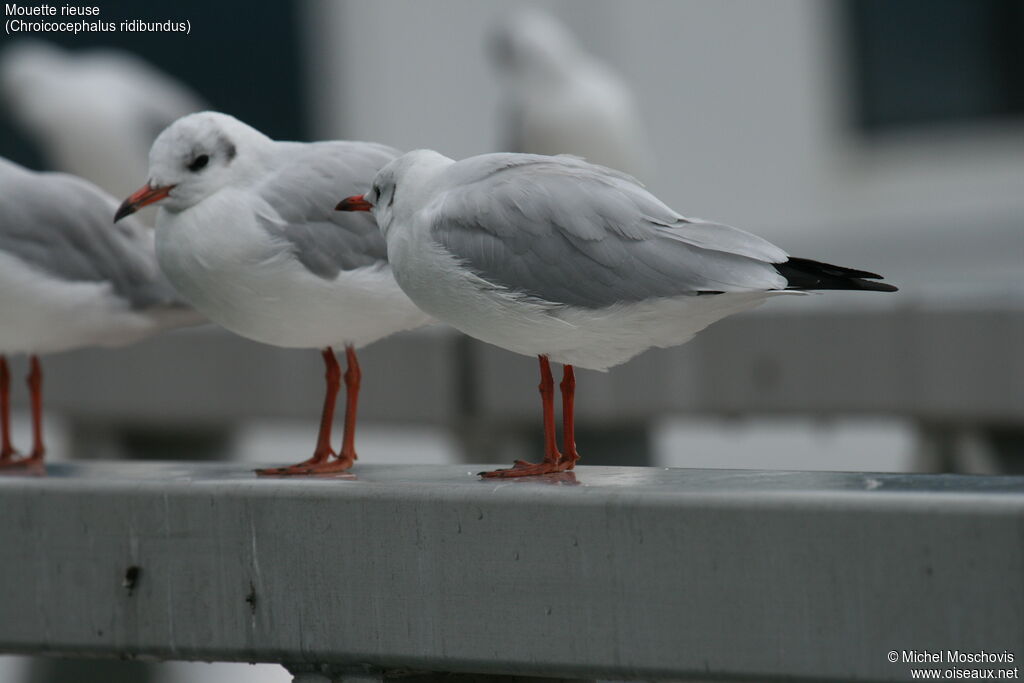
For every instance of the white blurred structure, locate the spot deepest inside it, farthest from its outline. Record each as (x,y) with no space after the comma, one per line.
(558,99)
(96,112)
(747,105)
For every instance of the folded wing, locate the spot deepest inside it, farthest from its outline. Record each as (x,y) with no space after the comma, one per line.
(63,226)
(300,199)
(566,232)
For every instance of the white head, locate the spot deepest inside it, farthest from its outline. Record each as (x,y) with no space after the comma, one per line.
(194,157)
(398,187)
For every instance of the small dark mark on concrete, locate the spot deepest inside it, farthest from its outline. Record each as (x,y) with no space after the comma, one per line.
(479,514)
(99,632)
(250,598)
(131,578)
(547,611)
(575,542)
(459,530)
(515,556)
(929,571)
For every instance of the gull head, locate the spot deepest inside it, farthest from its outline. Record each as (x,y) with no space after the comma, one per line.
(531,41)
(193,158)
(405,179)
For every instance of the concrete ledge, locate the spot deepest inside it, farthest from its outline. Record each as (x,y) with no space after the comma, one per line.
(630,573)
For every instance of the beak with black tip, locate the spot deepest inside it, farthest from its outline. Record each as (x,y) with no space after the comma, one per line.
(354,203)
(144,196)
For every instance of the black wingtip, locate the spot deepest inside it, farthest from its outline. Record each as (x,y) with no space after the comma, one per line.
(801,273)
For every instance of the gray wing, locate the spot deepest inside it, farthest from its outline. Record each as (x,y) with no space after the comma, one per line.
(303,194)
(568,232)
(63,226)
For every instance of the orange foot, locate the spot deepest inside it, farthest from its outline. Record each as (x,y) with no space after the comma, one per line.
(521,468)
(34,461)
(315,465)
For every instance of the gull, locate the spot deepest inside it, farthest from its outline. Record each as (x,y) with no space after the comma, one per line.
(95,113)
(247,234)
(568,261)
(67,281)
(561,100)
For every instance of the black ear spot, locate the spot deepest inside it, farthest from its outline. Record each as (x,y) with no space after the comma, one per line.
(199,163)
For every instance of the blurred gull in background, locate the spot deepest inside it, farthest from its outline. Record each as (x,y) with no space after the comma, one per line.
(248,234)
(96,112)
(67,280)
(561,100)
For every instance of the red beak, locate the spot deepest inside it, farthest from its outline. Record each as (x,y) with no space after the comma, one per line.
(354,203)
(144,196)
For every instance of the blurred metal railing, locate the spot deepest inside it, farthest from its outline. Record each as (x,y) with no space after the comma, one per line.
(625,573)
(927,364)
(945,367)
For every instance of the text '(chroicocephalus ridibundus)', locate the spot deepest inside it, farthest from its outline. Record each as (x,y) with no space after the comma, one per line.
(558,99)
(568,261)
(67,280)
(247,234)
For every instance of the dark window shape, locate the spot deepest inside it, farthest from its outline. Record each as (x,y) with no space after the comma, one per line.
(243,58)
(918,62)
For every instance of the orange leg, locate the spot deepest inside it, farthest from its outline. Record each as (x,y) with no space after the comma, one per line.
(353,380)
(568,387)
(553,460)
(323,451)
(347,457)
(35,387)
(6,448)
(36,393)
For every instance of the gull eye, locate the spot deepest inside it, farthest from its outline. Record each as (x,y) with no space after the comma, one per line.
(376,191)
(199,163)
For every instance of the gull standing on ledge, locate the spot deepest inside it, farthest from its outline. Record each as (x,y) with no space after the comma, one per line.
(571,262)
(67,281)
(247,234)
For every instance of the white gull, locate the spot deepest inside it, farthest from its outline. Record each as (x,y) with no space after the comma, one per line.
(571,262)
(247,234)
(68,280)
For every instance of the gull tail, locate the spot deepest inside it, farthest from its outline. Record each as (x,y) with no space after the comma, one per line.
(802,273)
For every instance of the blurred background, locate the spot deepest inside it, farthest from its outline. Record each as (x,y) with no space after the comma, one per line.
(879,134)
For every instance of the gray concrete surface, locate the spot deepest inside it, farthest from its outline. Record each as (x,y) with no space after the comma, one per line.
(613,573)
